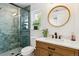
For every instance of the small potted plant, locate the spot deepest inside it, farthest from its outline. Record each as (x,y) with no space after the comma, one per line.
(45,32)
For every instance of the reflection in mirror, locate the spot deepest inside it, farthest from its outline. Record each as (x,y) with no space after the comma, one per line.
(59,16)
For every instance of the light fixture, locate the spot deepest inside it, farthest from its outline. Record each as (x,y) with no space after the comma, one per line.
(14,14)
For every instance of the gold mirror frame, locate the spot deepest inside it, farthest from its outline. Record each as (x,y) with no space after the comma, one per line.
(57,7)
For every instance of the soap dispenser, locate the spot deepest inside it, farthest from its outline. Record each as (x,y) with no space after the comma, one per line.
(59,36)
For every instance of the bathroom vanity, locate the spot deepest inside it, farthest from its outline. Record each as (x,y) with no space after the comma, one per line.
(56,47)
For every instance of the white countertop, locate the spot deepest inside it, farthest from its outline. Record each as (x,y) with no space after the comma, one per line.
(61,42)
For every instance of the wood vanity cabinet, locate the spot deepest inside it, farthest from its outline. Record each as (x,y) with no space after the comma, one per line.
(41,49)
(47,49)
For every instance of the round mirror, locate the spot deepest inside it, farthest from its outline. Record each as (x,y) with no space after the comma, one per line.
(59,16)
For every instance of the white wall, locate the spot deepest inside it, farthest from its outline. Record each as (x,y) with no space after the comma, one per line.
(65,31)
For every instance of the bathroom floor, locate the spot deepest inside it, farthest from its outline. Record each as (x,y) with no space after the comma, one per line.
(13,52)
(19,54)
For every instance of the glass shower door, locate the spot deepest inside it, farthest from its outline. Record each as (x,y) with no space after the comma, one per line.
(8,27)
(25,27)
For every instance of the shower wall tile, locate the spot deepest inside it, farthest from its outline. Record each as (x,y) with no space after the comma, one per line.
(9,35)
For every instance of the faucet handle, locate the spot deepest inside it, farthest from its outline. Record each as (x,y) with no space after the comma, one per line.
(59,36)
(52,36)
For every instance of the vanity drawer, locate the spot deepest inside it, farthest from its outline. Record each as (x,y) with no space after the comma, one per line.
(65,51)
(51,47)
(41,45)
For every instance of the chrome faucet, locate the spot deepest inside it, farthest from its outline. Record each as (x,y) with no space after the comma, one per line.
(56,36)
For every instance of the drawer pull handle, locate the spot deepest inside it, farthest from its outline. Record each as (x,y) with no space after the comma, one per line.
(49,54)
(51,48)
